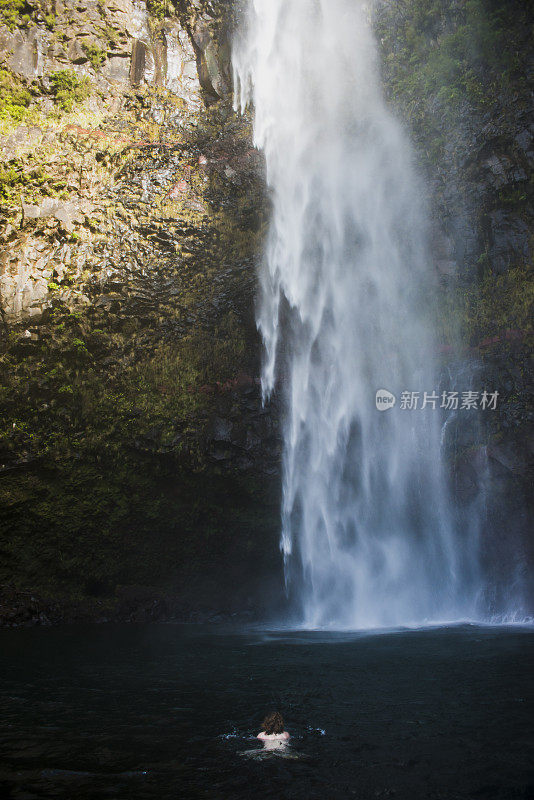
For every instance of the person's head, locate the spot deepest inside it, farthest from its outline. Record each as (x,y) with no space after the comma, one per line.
(273,723)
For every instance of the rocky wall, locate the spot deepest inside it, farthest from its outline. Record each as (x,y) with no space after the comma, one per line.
(459,75)
(136,458)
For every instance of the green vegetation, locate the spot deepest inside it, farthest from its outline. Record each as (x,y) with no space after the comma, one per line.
(68,89)
(185,8)
(9,179)
(496,306)
(15,13)
(438,56)
(107,412)
(17,179)
(500,303)
(450,55)
(106,524)
(110,34)
(14,97)
(95,54)
(120,483)
(449,67)
(160,8)
(110,407)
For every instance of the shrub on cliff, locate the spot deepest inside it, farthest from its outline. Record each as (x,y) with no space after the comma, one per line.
(14,98)
(15,13)
(95,54)
(439,55)
(68,89)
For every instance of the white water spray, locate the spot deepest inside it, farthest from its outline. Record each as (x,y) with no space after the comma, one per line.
(367,535)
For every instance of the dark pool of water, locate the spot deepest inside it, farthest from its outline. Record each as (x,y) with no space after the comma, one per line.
(164,711)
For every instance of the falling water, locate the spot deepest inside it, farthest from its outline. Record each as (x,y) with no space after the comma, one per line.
(367,532)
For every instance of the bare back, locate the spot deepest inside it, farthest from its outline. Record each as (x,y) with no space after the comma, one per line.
(273,740)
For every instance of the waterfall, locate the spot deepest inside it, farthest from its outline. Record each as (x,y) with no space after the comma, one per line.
(367,530)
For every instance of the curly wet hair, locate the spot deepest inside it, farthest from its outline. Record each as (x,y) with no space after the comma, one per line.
(273,723)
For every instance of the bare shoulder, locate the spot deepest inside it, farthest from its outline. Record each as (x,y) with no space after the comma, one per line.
(286,735)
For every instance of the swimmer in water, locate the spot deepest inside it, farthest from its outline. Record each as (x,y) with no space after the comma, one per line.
(273,734)
(275,740)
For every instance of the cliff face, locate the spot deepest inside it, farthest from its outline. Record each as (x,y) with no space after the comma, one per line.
(459,74)
(90,87)
(137,461)
(139,472)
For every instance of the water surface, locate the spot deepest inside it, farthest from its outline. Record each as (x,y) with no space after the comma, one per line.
(164,711)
